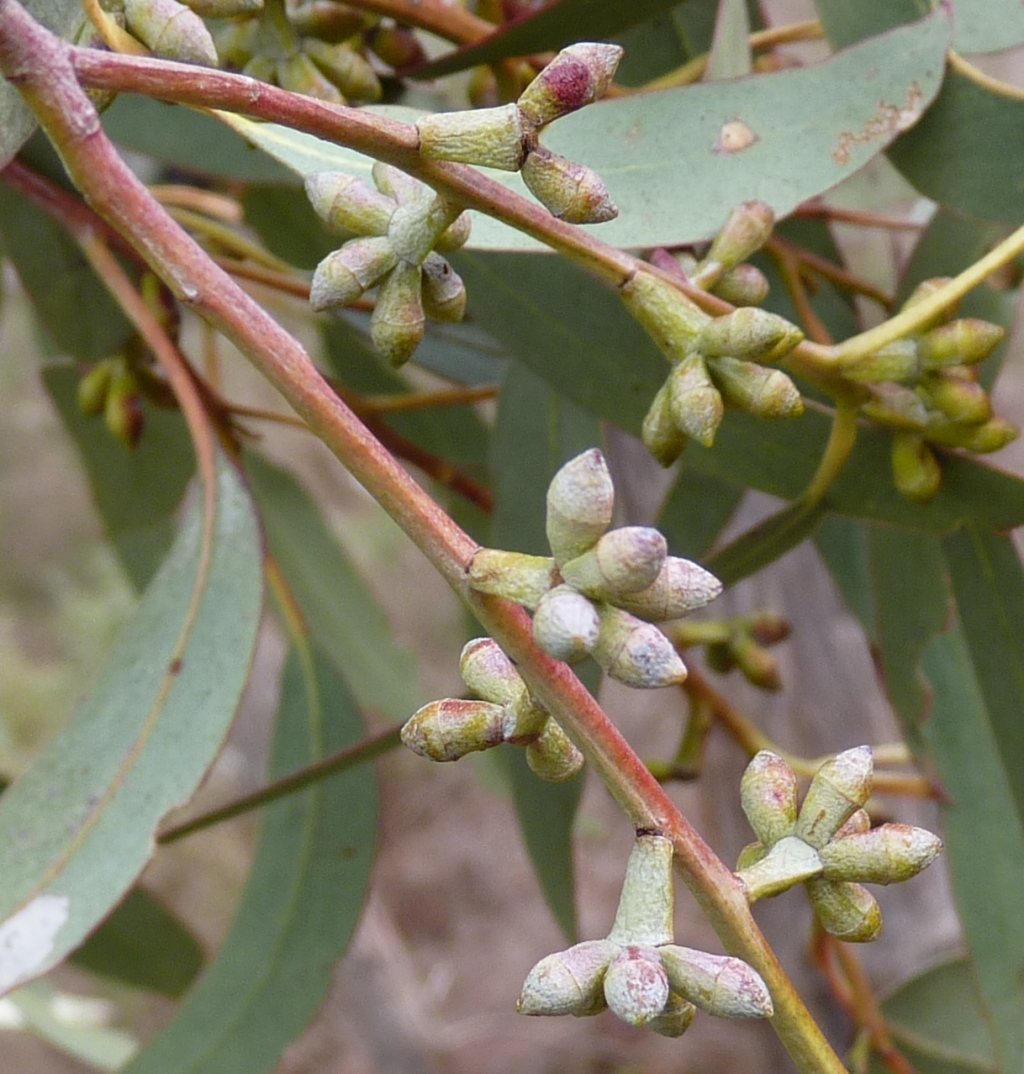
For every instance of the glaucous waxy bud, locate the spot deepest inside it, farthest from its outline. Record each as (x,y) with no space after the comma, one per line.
(671,319)
(847,911)
(747,229)
(342,65)
(896,361)
(963,401)
(299,74)
(325,19)
(347,273)
(346,203)
(487,671)
(787,862)
(417,224)
(171,30)
(636,985)
(448,729)
(768,795)
(487,137)
(962,342)
(444,293)
(94,385)
(859,822)
(896,406)
(883,855)
(566,624)
(763,392)
(742,285)
(398,184)
(456,235)
(569,191)
(644,915)
(660,434)
(750,333)
(925,289)
(636,653)
(397,46)
(580,499)
(577,76)
(515,575)
(841,786)
(723,986)
(224,9)
(397,322)
(569,982)
(680,588)
(675,1019)
(625,560)
(552,755)
(915,470)
(696,403)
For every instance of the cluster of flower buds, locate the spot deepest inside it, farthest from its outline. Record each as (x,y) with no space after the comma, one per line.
(638,972)
(739,641)
(602,590)
(116,387)
(176,30)
(925,388)
(507,136)
(716,361)
(828,844)
(401,225)
(449,729)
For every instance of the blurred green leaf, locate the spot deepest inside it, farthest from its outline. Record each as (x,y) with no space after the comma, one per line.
(843,546)
(845,24)
(143,944)
(137,492)
(343,616)
(987,25)
(695,511)
(766,542)
(984,836)
(730,50)
(284,219)
(82,818)
(301,902)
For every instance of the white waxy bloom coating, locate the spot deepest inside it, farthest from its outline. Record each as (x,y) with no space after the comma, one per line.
(636,653)
(636,986)
(623,561)
(644,915)
(768,794)
(723,986)
(566,624)
(847,911)
(883,855)
(680,588)
(839,788)
(788,862)
(347,203)
(345,274)
(580,499)
(488,137)
(568,982)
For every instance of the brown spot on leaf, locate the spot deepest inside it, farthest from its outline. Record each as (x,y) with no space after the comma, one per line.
(888,120)
(734,137)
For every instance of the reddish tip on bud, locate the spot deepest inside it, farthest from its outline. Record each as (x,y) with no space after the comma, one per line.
(636,985)
(636,653)
(577,76)
(488,672)
(570,191)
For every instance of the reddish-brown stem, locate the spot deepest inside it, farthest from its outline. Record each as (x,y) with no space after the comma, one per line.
(861,217)
(450,21)
(810,322)
(807,259)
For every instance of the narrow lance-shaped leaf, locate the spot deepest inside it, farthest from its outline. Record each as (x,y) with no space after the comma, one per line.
(77,828)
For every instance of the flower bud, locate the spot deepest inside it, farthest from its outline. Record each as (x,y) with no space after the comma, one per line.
(644,915)
(768,795)
(577,76)
(398,185)
(749,333)
(763,392)
(397,46)
(883,855)
(488,672)
(742,285)
(723,986)
(660,434)
(847,911)
(747,229)
(671,319)
(299,74)
(963,401)
(346,203)
(680,588)
(896,361)
(991,436)
(552,756)
(94,386)
(486,137)
(448,729)
(925,289)
(444,293)
(841,786)
(756,664)
(789,861)
(345,274)
(636,985)
(579,505)
(456,235)
(417,224)
(397,321)
(325,19)
(624,560)
(696,403)
(122,408)
(566,624)
(636,653)
(895,406)
(514,575)
(171,30)
(675,1019)
(569,191)
(859,822)
(962,342)
(915,470)
(569,982)
(342,65)
(224,9)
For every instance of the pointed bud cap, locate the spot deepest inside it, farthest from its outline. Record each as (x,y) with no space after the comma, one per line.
(171,30)
(552,756)
(768,795)
(763,392)
(456,236)
(675,1019)
(883,855)
(486,137)
(962,342)
(963,401)
(722,986)
(847,911)
(915,470)
(398,185)
(566,624)
(788,862)
(346,203)
(514,575)
(448,729)
(579,505)
(569,191)
(342,65)
(696,403)
(299,74)
(644,915)
(671,319)
(569,982)
(636,985)
(397,46)
(898,361)
(625,560)
(325,19)
(577,76)
(742,285)
(841,786)
(680,588)
(444,293)
(489,673)
(750,333)
(756,664)
(991,436)
(636,653)
(347,273)
(417,224)
(397,322)
(747,229)
(660,434)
